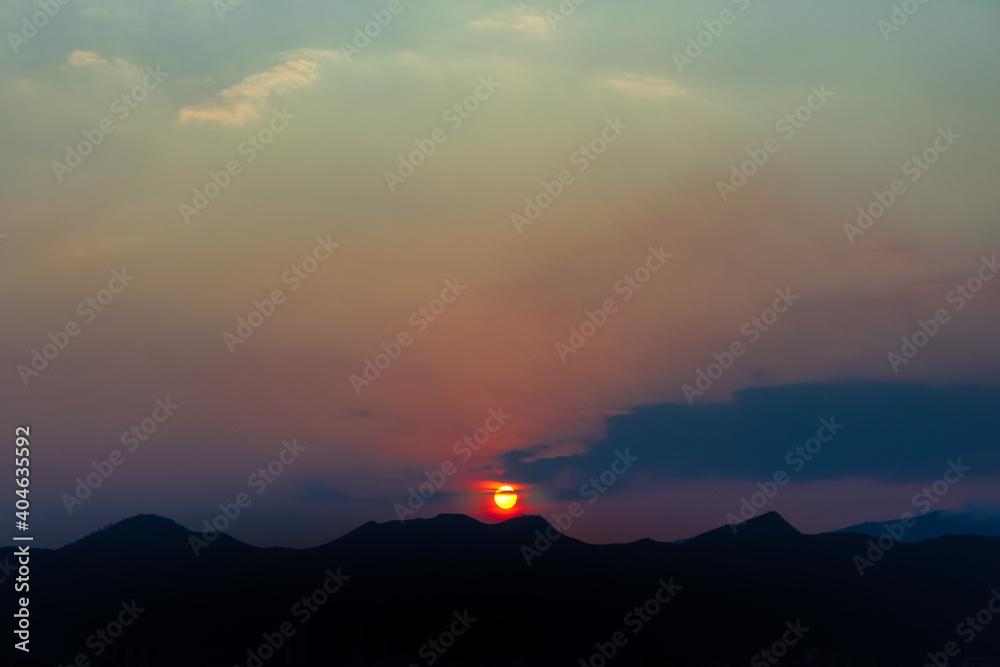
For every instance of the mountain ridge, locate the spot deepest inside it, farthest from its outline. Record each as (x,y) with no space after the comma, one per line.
(769,525)
(540,596)
(984,522)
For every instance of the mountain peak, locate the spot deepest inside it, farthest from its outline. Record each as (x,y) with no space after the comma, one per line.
(767,526)
(531,521)
(149,520)
(142,531)
(142,526)
(455,519)
(450,528)
(771,522)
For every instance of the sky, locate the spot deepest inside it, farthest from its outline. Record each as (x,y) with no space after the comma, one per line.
(665,240)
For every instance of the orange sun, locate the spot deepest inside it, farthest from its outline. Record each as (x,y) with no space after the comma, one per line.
(505,497)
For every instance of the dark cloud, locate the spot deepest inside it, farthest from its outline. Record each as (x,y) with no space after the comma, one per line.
(895,433)
(314,490)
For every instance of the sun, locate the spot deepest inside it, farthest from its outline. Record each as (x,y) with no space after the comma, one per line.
(505,497)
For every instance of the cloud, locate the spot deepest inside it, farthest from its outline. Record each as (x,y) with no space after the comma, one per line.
(93,60)
(891,432)
(236,104)
(514,18)
(646,86)
(86,59)
(315,490)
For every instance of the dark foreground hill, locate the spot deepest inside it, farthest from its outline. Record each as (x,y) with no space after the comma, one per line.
(454,591)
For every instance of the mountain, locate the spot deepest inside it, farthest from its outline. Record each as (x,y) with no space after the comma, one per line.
(769,526)
(455,591)
(932,525)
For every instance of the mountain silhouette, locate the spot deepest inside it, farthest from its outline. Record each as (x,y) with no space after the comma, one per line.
(937,524)
(520,592)
(769,526)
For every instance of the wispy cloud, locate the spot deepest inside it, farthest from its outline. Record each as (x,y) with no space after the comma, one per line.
(86,59)
(518,19)
(646,86)
(236,104)
(92,60)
